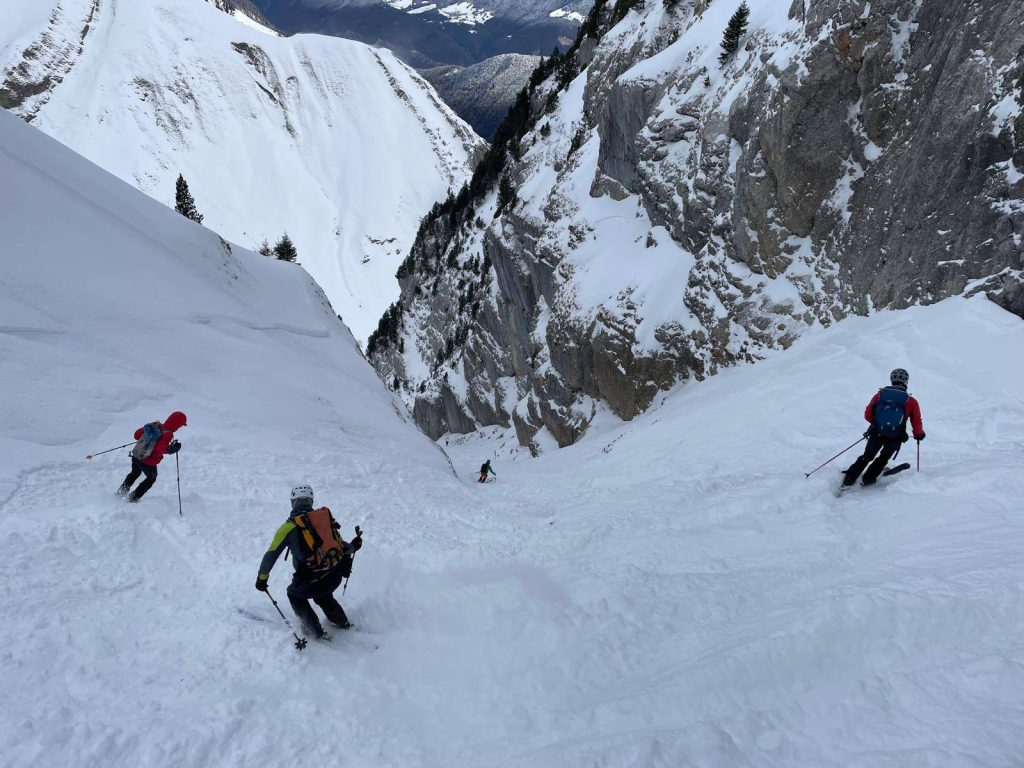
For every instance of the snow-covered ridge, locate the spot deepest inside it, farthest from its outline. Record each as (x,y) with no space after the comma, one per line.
(246,13)
(566,13)
(253,24)
(464,12)
(338,144)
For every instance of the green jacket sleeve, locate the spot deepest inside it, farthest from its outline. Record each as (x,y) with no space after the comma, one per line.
(277,546)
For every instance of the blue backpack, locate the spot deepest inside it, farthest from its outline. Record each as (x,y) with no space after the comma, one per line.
(889,413)
(150,437)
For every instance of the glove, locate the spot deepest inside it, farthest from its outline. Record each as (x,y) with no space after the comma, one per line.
(905,437)
(356,543)
(261,583)
(920,437)
(174,447)
(867,433)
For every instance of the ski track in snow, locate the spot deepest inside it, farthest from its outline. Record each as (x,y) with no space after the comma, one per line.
(669,592)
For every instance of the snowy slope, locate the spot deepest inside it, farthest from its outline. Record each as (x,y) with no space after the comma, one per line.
(246,13)
(114,311)
(715,608)
(670,593)
(341,145)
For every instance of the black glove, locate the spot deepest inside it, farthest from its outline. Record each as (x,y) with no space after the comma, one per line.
(357,543)
(867,433)
(905,437)
(174,447)
(261,584)
(920,437)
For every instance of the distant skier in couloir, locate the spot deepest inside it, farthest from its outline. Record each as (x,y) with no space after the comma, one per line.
(153,442)
(888,413)
(321,558)
(484,469)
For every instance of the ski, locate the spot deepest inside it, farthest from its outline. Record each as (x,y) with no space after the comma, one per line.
(327,639)
(841,489)
(897,468)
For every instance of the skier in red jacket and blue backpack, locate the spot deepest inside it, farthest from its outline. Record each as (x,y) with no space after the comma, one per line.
(154,441)
(888,412)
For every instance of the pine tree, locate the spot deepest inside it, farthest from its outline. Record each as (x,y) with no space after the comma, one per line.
(285,249)
(736,29)
(506,193)
(183,202)
(265,249)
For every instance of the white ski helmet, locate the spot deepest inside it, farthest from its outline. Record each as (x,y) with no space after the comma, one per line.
(899,377)
(302,492)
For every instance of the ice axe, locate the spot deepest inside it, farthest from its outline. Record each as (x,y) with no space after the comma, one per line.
(359,533)
(91,455)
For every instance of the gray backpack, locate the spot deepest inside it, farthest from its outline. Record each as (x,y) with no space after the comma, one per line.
(147,443)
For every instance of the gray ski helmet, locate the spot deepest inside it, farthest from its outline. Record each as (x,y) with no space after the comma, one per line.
(302,492)
(899,377)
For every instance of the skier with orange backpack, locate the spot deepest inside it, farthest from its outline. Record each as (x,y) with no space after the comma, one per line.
(321,558)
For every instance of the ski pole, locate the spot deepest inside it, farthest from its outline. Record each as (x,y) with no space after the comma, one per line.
(808,474)
(90,456)
(359,532)
(918,455)
(300,642)
(177,465)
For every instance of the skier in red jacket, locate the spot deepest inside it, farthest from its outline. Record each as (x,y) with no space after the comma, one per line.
(155,440)
(888,413)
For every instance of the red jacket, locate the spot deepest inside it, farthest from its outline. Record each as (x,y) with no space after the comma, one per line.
(911,411)
(174,422)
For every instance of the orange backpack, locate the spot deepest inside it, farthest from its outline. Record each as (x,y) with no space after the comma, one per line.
(322,542)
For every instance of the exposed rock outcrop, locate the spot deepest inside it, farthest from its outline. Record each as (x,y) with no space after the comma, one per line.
(664,215)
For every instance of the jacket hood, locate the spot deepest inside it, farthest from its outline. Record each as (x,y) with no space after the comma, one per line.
(175,421)
(299,506)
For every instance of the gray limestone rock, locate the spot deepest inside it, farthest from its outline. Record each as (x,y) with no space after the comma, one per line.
(869,156)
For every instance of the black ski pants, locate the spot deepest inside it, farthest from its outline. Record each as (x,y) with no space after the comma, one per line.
(321,592)
(877,446)
(138,468)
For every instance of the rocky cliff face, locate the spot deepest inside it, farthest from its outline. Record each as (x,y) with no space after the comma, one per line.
(654,214)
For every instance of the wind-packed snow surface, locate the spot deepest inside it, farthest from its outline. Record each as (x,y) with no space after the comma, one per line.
(669,592)
(339,144)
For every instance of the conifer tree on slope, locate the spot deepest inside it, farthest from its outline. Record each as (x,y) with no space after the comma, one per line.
(733,32)
(285,249)
(183,202)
